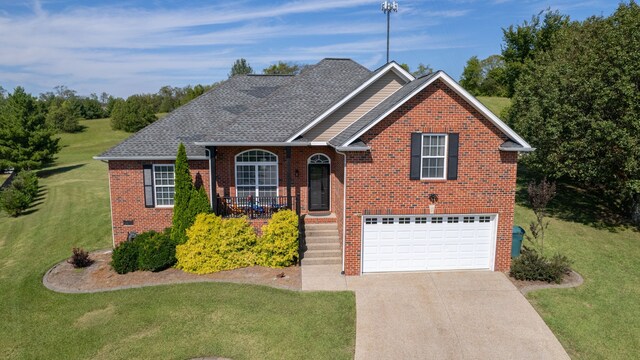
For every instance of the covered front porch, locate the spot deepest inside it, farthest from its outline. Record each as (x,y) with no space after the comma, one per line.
(258,181)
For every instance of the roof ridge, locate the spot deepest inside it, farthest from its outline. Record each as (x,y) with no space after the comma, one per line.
(268,75)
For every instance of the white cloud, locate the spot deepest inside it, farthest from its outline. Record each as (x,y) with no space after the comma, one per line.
(124,50)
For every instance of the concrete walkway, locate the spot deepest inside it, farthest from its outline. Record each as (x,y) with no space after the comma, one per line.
(441,315)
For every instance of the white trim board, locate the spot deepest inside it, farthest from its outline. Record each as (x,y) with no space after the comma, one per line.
(392,66)
(465,95)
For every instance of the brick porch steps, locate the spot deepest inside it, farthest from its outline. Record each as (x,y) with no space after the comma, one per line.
(322,244)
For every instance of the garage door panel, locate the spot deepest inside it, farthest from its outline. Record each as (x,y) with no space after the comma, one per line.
(423,242)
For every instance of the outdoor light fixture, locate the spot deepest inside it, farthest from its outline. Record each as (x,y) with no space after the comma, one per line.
(297,173)
(387,8)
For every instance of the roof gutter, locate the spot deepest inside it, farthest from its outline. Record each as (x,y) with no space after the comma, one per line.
(107,158)
(213,143)
(352,148)
(516,149)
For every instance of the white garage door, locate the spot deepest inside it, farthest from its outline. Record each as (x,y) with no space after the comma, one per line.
(428,242)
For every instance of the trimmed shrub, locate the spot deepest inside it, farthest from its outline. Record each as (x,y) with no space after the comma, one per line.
(278,245)
(532,266)
(214,245)
(124,258)
(156,251)
(80,258)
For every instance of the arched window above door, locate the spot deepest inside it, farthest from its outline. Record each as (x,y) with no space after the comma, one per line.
(319,159)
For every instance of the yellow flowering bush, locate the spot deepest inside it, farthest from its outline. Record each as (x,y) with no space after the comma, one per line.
(214,244)
(278,245)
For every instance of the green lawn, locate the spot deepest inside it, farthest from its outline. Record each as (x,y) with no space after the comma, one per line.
(601,318)
(172,322)
(494,103)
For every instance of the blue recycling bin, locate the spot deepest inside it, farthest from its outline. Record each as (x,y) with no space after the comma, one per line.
(517,236)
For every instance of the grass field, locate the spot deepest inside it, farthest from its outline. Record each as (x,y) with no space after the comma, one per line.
(164,322)
(495,104)
(601,318)
(598,320)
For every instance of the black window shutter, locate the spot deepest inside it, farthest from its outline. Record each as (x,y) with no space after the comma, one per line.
(452,159)
(147,171)
(416,155)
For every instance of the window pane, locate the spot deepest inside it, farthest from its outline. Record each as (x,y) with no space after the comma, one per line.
(267,175)
(246,174)
(256,156)
(246,191)
(268,191)
(164,180)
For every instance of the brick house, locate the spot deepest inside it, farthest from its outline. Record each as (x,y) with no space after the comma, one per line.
(389,172)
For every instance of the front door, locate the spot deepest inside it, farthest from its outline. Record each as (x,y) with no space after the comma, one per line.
(319,187)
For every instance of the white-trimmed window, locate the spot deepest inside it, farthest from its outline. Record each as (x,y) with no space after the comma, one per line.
(256,174)
(434,156)
(164,184)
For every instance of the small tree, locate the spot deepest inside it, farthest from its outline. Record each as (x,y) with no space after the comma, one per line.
(240,67)
(132,115)
(422,70)
(63,117)
(539,196)
(188,201)
(283,68)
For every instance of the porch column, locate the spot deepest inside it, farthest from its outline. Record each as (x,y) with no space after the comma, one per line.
(212,179)
(288,159)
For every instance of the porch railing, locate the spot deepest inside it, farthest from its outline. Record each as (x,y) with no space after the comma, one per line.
(255,208)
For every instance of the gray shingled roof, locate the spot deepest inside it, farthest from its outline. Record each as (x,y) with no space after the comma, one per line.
(379,110)
(251,108)
(293,106)
(207,114)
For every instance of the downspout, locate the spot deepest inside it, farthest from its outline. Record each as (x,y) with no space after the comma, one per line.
(113,236)
(213,193)
(344,206)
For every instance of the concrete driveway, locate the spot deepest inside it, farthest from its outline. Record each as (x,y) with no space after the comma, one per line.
(443,315)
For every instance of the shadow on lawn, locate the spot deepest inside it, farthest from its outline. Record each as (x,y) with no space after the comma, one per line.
(58,170)
(575,204)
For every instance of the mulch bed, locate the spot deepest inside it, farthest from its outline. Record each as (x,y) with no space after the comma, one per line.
(572,280)
(101,277)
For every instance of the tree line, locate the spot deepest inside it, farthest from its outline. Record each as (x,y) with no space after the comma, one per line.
(575,90)
(497,74)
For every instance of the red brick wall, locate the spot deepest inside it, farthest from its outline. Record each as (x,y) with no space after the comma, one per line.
(378,180)
(127,197)
(127,191)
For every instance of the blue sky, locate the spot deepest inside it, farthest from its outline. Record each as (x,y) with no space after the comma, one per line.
(127,47)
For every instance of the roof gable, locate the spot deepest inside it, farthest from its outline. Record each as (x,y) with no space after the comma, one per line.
(375,76)
(380,112)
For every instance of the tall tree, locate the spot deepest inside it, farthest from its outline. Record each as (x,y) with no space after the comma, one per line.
(493,76)
(282,68)
(240,67)
(523,42)
(471,78)
(26,142)
(578,104)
